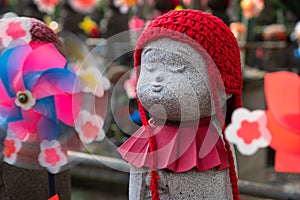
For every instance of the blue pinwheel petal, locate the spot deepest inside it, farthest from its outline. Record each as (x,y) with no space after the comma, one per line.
(48,126)
(8,115)
(61,80)
(48,129)
(46,107)
(11,63)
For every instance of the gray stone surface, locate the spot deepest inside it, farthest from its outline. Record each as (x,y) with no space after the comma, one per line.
(192,185)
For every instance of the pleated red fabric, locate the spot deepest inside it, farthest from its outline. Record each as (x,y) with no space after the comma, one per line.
(179,147)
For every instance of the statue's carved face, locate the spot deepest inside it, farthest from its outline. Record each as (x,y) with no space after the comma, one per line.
(174,82)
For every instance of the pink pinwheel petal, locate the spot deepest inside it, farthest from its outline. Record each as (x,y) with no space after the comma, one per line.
(283,98)
(5,100)
(67,108)
(27,126)
(15,63)
(44,89)
(43,58)
(18,82)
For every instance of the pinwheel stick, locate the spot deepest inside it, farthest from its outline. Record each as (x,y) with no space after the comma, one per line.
(51,182)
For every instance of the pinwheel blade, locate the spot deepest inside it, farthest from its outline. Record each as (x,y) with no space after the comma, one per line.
(11,62)
(51,82)
(46,107)
(8,115)
(43,58)
(48,129)
(25,129)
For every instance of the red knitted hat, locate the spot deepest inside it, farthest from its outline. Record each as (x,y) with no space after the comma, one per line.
(219,42)
(211,33)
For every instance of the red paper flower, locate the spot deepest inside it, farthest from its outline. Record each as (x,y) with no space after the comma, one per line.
(89,130)
(252,8)
(125,5)
(52,157)
(136,23)
(89,127)
(83,6)
(248,130)
(11,147)
(47,6)
(15,31)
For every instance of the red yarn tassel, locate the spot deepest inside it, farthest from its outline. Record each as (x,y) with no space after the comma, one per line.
(152,147)
(232,172)
(221,118)
(154,185)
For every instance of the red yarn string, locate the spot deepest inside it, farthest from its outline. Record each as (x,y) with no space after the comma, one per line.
(232,172)
(152,147)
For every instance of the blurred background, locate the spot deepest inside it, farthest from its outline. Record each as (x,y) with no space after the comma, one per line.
(268,38)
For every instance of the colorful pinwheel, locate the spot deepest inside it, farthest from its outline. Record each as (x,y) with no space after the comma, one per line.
(37,102)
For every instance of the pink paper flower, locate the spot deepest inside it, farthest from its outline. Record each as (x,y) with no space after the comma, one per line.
(129,86)
(248,130)
(136,23)
(238,29)
(16,31)
(89,127)
(93,81)
(83,6)
(252,8)
(51,156)
(274,32)
(187,2)
(47,6)
(11,148)
(125,5)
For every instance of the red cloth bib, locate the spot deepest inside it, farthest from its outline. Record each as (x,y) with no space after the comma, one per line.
(180,147)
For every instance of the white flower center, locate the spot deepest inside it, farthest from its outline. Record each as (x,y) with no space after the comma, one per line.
(25,100)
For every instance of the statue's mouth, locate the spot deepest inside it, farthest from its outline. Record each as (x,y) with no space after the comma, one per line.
(157,87)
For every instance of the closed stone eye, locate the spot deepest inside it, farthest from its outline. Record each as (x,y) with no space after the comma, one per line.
(149,67)
(180,68)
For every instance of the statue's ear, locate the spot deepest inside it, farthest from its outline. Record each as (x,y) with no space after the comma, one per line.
(228,96)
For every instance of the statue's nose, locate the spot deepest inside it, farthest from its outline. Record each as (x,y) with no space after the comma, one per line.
(159,78)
